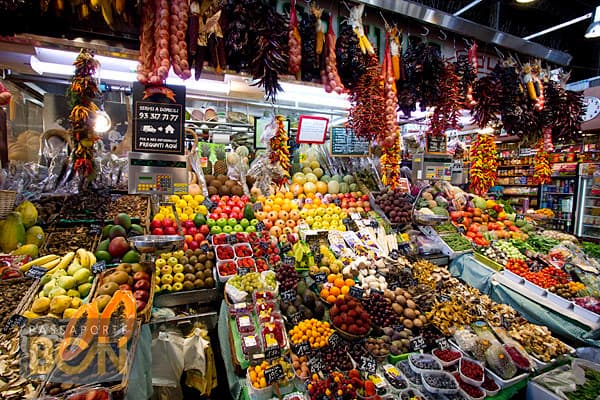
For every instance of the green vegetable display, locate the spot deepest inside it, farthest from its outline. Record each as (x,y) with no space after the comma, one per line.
(542,244)
(457,242)
(591,249)
(445,227)
(590,389)
(523,246)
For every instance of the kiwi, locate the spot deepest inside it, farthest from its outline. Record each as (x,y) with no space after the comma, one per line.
(199,284)
(222,178)
(229,183)
(237,190)
(209,282)
(201,258)
(225,190)
(188,285)
(212,190)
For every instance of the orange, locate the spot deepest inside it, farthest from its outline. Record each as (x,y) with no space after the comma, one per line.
(335,291)
(275,231)
(286,207)
(331,299)
(331,278)
(324,293)
(339,282)
(267,208)
(279,195)
(345,289)
(276,207)
(294,214)
(341,297)
(349,282)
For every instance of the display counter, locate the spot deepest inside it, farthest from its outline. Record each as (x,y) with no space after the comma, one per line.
(499,289)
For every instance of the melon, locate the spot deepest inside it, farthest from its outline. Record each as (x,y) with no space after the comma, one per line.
(333,187)
(353,187)
(314,164)
(325,178)
(337,178)
(307,170)
(310,187)
(312,178)
(344,188)
(349,179)
(318,172)
(299,178)
(322,187)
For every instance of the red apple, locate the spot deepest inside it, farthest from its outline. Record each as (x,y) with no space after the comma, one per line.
(227,209)
(170,230)
(236,209)
(204,230)
(192,231)
(189,224)
(198,237)
(225,198)
(185,246)
(217,210)
(223,215)
(167,222)
(158,231)
(183,231)
(230,203)
(188,238)
(213,215)
(214,198)
(155,224)
(125,287)
(244,198)
(194,245)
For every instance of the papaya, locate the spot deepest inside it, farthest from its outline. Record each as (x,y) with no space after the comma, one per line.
(70,346)
(35,235)
(125,298)
(29,213)
(12,232)
(30,250)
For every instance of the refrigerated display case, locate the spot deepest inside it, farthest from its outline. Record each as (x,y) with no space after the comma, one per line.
(587,218)
(559,196)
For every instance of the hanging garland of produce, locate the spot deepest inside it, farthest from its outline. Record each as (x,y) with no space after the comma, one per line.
(329,74)
(81,93)
(240,32)
(272,54)
(294,42)
(467,74)
(389,137)
(280,150)
(308,35)
(396,51)
(351,63)
(488,92)
(215,41)
(542,172)
(562,112)
(447,110)
(484,164)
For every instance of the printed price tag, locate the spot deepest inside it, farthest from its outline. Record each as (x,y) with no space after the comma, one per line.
(274,374)
(14,320)
(322,235)
(260,226)
(264,245)
(241,271)
(320,277)
(257,206)
(417,343)
(315,364)
(272,353)
(356,292)
(374,224)
(295,318)
(99,267)
(442,343)
(301,349)
(205,248)
(367,364)
(334,340)
(288,295)
(285,248)
(36,272)
(209,204)
(95,229)
(519,217)
(231,239)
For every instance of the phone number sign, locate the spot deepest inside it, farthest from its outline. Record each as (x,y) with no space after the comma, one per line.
(159,128)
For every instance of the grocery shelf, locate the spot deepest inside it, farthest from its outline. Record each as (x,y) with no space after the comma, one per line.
(590,236)
(513,166)
(559,193)
(592,197)
(521,194)
(518,184)
(591,226)
(564,177)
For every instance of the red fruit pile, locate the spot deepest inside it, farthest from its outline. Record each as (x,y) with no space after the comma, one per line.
(226,268)
(225,252)
(165,227)
(243,250)
(246,262)
(349,315)
(446,355)
(228,207)
(261,265)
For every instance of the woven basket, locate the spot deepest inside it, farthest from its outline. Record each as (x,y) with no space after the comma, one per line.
(7,202)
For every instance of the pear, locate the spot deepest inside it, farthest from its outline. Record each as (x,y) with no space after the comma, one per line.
(59,303)
(74,267)
(48,287)
(69,313)
(82,275)
(57,291)
(84,289)
(66,282)
(73,293)
(58,273)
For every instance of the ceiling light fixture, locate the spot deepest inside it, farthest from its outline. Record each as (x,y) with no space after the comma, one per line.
(102,122)
(560,26)
(593,31)
(525,1)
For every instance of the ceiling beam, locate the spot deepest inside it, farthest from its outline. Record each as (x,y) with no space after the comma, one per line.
(463,27)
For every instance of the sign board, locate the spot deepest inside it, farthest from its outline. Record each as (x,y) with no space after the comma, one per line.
(158,117)
(344,143)
(311,129)
(437,144)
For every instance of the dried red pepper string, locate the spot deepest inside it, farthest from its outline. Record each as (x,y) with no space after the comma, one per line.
(484,164)
(542,171)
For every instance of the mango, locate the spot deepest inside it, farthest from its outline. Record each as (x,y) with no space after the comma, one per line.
(35,235)
(40,305)
(59,304)
(12,232)
(27,250)
(28,212)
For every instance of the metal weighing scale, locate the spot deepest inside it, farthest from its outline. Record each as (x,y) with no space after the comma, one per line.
(427,166)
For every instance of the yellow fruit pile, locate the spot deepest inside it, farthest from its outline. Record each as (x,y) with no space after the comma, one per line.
(256,373)
(187,206)
(323,216)
(312,331)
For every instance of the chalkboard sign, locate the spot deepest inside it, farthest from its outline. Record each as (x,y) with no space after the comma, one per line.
(315,364)
(95,229)
(301,349)
(231,239)
(417,343)
(344,143)
(334,340)
(320,277)
(288,295)
(274,374)
(356,292)
(368,364)
(260,226)
(36,272)
(14,320)
(437,144)
(287,260)
(257,206)
(442,343)
(285,248)
(209,204)
(98,267)
(158,119)
(296,317)
(272,352)
(241,271)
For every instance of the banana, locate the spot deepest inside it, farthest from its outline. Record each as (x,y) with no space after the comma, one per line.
(65,261)
(84,259)
(106,6)
(92,257)
(51,264)
(39,261)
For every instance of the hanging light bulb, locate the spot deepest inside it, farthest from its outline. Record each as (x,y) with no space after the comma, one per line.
(102,122)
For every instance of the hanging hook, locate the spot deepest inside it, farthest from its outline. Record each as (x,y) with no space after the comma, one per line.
(442,35)
(347,6)
(426,32)
(469,44)
(387,26)
(499,53)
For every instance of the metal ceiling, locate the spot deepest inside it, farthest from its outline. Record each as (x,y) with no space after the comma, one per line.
(461,26)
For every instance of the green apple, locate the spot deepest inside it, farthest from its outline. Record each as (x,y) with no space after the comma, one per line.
(172,261)
(67,282)
(166,279)
(216,229)
(160,262)
(232,222)
(210,222)
(253,222)
(250,228)
(227,229)
(244,222)
(177,286)
(178,277)
(166,287)
(222,222)
(238,228)
(177,268)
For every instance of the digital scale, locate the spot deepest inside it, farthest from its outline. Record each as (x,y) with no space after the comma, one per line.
(431,167)
(153,173)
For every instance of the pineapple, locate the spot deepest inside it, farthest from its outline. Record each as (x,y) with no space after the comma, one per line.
(208,170)
(220,167)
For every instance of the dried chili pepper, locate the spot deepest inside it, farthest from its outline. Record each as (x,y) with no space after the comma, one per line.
(484,164)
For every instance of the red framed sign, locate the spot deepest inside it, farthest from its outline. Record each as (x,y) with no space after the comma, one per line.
(311,129)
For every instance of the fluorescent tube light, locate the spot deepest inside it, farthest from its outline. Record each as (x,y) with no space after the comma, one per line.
(593,31)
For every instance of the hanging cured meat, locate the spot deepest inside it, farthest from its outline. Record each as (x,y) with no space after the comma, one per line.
(178,46)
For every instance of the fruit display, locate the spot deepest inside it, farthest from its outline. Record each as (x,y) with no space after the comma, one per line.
(134,278)
(457,242)
(185,270)
(320,216)
(135,206)
(288,277)
(64,287)
(305,306)
(349,316)
(19,228)
(380,310)
(251,282)
(406,309)
(395,205)
(114,246)
(313,331)
(65,240)
(336,288)
(12,293)
(219,184)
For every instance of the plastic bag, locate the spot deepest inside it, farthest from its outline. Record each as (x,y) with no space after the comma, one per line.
(167,359)
(193,351)
(498,360)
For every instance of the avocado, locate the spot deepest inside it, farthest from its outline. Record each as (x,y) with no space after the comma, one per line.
(308,314)
(309,299)
(301,287)
(291,310)
(319,310)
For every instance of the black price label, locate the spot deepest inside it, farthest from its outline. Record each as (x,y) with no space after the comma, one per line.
(368,364)
(158,127)
(98,267)
(410,198)
(320,277)
(442,343)
(260,226)
(462,230)
(288,295)
(404,248)
(444,298)
(274,374)
(394,285)
(264,245)
(132,233)
(287,260)
(14,320)
(417,343)
(272,353)
(95,229)
(322,235)
(36,272)
(347,221)
(285,248)
(504,322)
(209,204)
(519,217)
(257,206)
(205,248)
(315,364)
(296,317)
(231,239)
(337,202)
(356,292)
(301,349)
(334,340)
(394,254)
(413,282)
(241,271)
(374,224)
(398,328)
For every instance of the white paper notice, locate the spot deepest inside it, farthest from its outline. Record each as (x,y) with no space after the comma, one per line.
(311,129)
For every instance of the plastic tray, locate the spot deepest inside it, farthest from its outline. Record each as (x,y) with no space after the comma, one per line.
(426,357)
(491,392)
(585,313)
(559,301)
(539,291)
(488,262)
(465,378)
(432,389)
(448,251)
(466,396)
(447,364)
(513,277)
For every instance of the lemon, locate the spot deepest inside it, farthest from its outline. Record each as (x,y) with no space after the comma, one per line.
(310,220)
(320,211)
(342,228)
(174,198)
(187,197)
(318,218)
(193,203)
(326,217)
